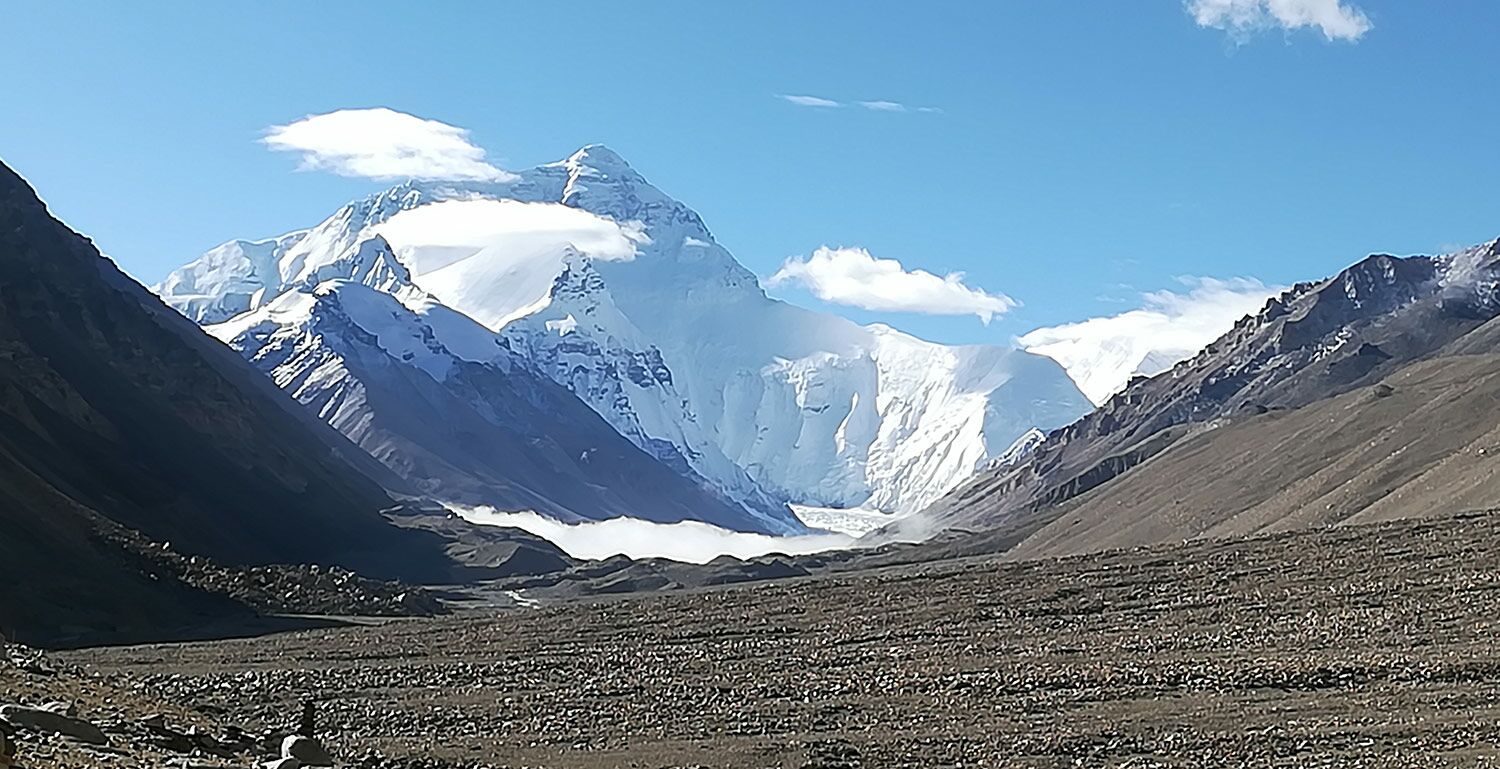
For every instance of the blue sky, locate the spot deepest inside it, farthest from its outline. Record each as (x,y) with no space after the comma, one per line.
(1083,152)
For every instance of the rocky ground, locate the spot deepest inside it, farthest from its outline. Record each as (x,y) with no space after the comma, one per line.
(1361,647)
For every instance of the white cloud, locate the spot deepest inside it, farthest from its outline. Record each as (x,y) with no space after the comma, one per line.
(496,260)
(852,277)
(1102,354)
(884,106)
(383,144)
(1336,19)
(810,101)
(450,227)
(687,541)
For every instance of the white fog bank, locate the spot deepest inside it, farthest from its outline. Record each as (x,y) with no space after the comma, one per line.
(688,541)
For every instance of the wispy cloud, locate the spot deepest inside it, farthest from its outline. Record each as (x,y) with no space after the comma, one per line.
(809,101)
(875,105)
(382,143)
(1102,354)
(852,277)
(1336,19)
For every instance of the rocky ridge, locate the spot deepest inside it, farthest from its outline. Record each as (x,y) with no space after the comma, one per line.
(1316,340)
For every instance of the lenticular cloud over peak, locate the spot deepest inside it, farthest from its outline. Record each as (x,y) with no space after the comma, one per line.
(382,143)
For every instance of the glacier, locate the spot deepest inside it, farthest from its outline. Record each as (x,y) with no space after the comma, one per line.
(595,278)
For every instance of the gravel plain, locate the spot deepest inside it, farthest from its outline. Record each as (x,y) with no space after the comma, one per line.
(1374,646)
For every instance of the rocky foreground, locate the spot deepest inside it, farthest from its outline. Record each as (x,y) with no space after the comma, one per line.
(1361,647)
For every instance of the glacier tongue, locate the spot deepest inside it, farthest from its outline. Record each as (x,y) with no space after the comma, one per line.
(621,294)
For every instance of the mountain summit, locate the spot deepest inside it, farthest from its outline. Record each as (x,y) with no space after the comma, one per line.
(603,283)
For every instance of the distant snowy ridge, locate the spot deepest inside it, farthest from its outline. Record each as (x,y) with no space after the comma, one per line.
(1019,450)
(600,281)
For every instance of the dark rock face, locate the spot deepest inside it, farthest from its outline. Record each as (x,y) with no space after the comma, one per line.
(1314,341)
(118,413)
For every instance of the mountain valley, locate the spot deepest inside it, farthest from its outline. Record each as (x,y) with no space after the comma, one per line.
(902,386)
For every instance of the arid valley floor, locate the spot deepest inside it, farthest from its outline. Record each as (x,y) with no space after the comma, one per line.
(1357,646)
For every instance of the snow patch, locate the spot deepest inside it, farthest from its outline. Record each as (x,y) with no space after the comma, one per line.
(564,325)
(522,600)
(853,521)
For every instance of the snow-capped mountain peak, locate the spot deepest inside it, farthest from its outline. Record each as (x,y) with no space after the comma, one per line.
(621,294)
(597,160)
(370,262)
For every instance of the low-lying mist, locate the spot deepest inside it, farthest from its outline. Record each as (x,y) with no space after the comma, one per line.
(688,541)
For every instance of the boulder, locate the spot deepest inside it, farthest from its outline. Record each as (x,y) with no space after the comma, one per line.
(165,737)
(307,751)
(40,720)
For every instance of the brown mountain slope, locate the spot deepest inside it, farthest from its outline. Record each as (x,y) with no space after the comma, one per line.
(1425,441)
(115,410)
(66,577)
(1315,341)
